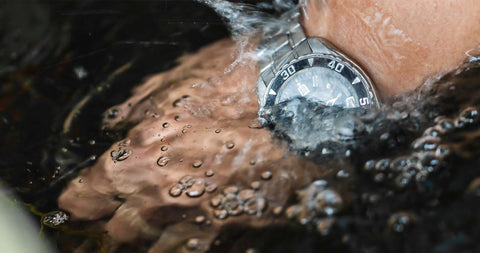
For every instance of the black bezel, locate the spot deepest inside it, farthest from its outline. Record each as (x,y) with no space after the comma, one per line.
(360,85)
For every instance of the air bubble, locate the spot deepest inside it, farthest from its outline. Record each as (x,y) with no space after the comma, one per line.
(180,100)
(193,244)
(165,125)
(278,210)
(196,189)
(209,173)
(255,185)
(120,155)
(246,194)
(187,181)
(232,203)
(164,148)
(324,225)
(252,162)
(220,214)
(216,200)
(469,115)
(432,132)
(55,219)
(266,175)
(210,187)
(176,190)
(402,180)
(342,174)
(163,161)
(200,219)
(113,113)
(230,144)
(230,189)
(444,125)
(382,165)
(425,143)
(369,165)
(379,177)
(255,206)
(400,221)
(197,164)
(398,164)
(218,131)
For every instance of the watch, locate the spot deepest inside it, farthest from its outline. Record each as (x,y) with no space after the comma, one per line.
(294,66)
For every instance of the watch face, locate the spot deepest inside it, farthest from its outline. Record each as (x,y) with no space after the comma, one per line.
(321,79)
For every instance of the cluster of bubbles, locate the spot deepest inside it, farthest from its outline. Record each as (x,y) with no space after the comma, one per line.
(233,202)
(193,187)
(55,219)
(401,221)
(428,152)
(122,152)
(317,206)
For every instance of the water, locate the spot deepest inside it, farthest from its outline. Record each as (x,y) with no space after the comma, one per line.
(403,178)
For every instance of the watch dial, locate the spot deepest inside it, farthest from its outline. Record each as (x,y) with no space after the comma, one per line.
(319,85)
(321,79)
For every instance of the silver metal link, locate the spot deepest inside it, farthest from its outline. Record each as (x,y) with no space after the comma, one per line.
(277,46)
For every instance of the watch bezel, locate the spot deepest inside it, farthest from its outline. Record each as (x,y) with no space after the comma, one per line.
(354,74)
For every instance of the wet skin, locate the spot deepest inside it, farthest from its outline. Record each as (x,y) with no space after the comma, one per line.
(400,43)
(130,197)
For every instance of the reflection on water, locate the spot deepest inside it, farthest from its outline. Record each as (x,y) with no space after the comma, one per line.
(196,171)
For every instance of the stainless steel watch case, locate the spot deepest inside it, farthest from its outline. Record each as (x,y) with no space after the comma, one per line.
(288,53)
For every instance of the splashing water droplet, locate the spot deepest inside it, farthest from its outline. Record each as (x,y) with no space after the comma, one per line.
(266,175)
(165,125)
(164,148)
(218,131)
(163,161)
(252,162)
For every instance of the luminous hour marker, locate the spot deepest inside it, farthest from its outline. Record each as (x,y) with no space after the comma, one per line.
(303,89)
(315,81)
(310,61)
(350,101)
(357,80)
